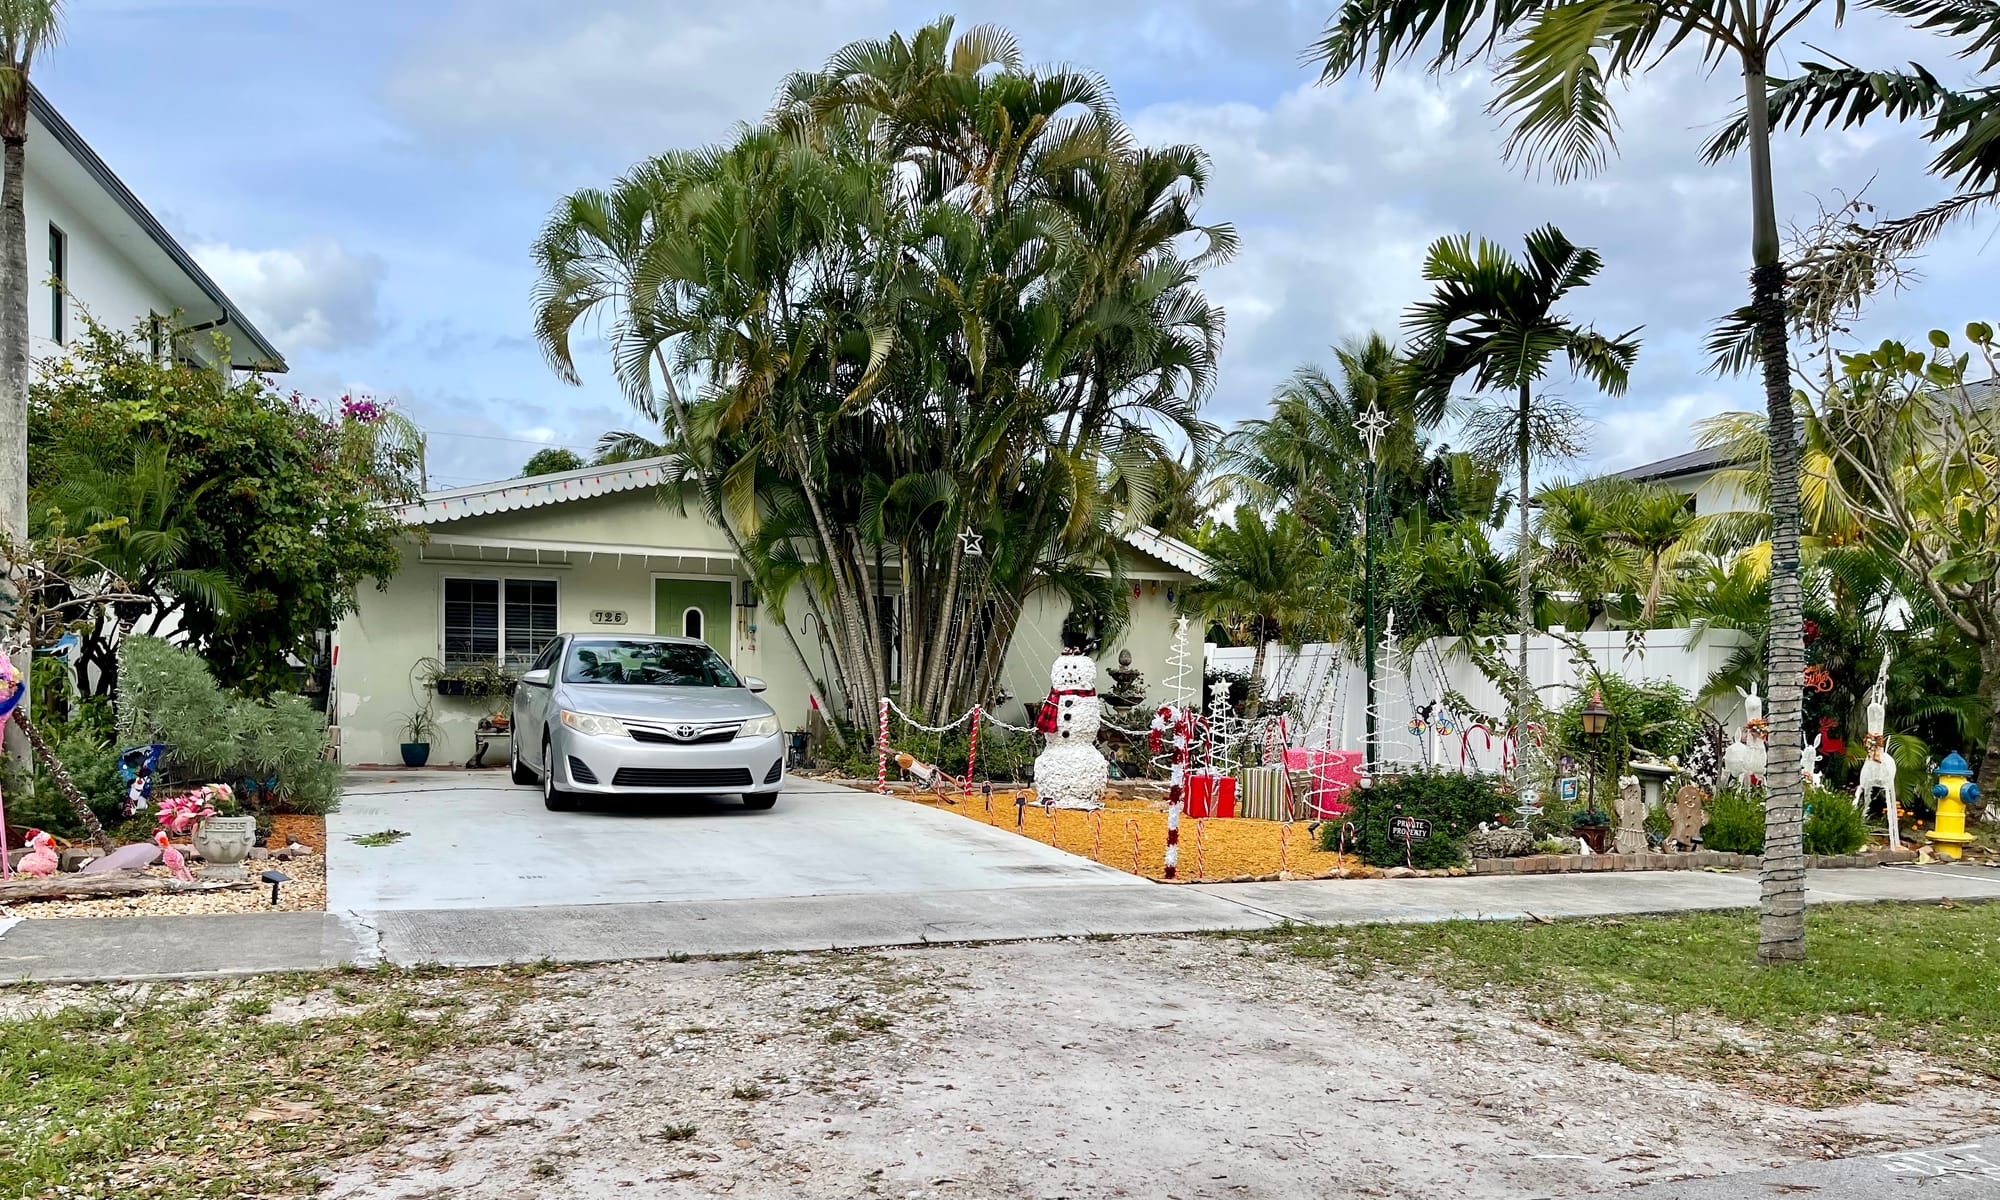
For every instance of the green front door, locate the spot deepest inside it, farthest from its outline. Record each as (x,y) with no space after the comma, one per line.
(694,608)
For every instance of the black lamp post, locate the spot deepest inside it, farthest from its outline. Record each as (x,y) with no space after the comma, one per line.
(1596,719)
(1372,425)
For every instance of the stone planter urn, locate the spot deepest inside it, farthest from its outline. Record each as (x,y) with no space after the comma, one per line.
(223,843)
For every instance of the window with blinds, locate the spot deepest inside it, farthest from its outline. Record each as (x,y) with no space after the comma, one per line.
(503,622)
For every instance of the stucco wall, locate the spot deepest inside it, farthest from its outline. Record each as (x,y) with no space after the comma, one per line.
(101,279)
(394,628)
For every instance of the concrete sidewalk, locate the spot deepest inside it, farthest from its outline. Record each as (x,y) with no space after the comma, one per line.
(75,950)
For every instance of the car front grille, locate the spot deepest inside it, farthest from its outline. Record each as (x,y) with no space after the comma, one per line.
(660,736)
(580,773)
(682,777)
(777,769)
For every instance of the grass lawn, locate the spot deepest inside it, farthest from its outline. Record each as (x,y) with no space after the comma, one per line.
(229,1089)
(1685,994)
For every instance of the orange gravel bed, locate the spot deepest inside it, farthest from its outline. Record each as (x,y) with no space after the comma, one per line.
(1131,835)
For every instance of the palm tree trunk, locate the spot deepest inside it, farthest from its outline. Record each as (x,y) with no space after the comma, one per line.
(1524,601)
(1781,926)
(14,370)
(1253,704)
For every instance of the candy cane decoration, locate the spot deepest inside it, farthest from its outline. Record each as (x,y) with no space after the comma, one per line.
(1173,832)
(1049,807)
(882,749)
(986,790)
(1132,827)
(1284,847)
(1200,844)
(1465,744)
(972,754)
(1096,835)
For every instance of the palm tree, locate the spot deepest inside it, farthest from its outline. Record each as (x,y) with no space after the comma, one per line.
(936,294)
(26,27)
(1491,321)
(1557,58)
(1258,581)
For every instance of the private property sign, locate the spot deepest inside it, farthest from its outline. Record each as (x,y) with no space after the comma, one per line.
(1409,829)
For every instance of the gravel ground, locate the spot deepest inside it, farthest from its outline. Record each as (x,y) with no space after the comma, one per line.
(306,891)
(1186,1068)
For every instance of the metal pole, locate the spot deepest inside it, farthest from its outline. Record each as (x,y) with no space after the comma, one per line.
(1368,623)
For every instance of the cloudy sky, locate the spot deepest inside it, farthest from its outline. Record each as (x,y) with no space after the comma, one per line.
(365,178)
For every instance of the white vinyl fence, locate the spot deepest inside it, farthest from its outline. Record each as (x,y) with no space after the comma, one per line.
(1332,701)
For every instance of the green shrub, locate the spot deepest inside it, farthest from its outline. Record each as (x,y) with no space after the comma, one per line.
(1735,824)
(1833,824)
(1454,804)
(1655,714)
(167,695)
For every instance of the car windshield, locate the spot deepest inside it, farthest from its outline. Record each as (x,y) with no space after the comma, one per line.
(651,664)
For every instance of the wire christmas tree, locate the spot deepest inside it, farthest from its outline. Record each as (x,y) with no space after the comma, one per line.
(1391,703)
(1178,663)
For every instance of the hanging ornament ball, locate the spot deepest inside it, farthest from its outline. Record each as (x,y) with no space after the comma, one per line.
(1170,595)
(10,689)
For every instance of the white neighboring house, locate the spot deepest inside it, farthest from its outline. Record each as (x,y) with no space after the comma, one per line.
(115,259)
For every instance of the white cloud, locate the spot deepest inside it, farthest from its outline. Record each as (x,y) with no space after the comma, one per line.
(317,296)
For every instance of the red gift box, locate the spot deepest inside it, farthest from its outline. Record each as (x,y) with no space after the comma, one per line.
(1211,795)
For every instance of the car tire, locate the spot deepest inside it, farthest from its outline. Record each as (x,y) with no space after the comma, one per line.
(553,798)
(757,802)
(522,775)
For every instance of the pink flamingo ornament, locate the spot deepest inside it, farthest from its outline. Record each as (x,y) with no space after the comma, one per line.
(41,861)
(176,865)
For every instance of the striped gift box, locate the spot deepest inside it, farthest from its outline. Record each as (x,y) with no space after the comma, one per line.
(1260,793)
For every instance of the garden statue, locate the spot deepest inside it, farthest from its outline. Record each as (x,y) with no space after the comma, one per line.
(1071,772)
(1809,760)
(1878,767)
(1688,816)
(1954,792)
(1631,811)
(41,861)
(1743,763)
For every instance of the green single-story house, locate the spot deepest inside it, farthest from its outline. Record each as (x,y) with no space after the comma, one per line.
(491,572)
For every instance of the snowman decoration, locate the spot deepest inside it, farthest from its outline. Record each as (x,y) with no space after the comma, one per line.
(1070,772)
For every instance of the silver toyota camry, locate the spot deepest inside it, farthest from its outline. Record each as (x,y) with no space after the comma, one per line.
(628,715)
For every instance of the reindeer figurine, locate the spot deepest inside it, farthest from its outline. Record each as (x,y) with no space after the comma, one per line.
(1878,767)
(1744,762)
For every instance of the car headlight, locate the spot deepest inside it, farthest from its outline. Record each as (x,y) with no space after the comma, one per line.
(592,723)
(759,727)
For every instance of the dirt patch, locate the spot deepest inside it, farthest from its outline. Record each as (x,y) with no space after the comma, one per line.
(1197,1067)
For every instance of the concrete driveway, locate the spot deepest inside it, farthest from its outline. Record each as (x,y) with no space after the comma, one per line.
(477,841)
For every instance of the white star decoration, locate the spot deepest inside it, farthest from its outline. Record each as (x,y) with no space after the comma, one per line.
(1372,426)
(969,544)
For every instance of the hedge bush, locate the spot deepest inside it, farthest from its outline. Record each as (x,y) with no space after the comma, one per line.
(1454,804)
(1834,824)
(1735,824)
(167,695)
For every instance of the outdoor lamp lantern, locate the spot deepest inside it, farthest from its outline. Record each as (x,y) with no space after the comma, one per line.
(1596,717)
(274,878)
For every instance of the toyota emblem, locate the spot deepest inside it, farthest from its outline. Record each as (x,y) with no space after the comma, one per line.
(684,732)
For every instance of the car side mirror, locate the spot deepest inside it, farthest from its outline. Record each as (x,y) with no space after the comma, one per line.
(536,678)
(754,684)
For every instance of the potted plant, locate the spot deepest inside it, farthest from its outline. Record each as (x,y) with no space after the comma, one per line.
(1593,825)
(419,727)
(221,836)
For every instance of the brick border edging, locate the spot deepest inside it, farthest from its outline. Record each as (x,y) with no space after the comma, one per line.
(1560,864)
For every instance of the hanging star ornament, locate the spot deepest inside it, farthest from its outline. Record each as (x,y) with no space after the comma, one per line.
(1372,425)
(969,544)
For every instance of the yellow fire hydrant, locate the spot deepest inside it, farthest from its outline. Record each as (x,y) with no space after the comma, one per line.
(1953,791)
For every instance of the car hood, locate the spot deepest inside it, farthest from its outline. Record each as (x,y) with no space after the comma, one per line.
(699,705)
